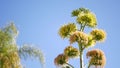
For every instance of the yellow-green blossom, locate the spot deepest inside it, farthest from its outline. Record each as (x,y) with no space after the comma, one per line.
(88,19)
(79,37)
(67,29)
(98,34)
(71,52)
(80,10)
(61,59)
(91,41)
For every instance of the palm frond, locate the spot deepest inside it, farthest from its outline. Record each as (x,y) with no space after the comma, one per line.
(27,51)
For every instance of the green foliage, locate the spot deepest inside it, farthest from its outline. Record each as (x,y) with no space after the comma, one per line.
(29,51)
(9,57)
(9,52)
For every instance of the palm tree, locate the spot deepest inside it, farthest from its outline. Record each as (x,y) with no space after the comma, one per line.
(10,54)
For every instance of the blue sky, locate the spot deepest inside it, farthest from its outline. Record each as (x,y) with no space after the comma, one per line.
(38,22)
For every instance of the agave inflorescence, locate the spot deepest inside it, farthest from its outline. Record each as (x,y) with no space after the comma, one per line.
(84,17)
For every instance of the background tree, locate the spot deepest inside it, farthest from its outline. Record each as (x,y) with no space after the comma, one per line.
(10,54)
(76,34)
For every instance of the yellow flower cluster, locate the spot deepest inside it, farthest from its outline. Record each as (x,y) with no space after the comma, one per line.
(87,18)
(80,10)
(71,52)
(61,59)
(91,41)
(67,29)
(98,34)
(97,57)
(79,37)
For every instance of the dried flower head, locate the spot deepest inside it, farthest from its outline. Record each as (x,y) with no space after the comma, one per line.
(67,29)
(95,52)
(98,34)
(87,18)
(61,59)
(98,62)
(97,57)
(71,52)
(79,37)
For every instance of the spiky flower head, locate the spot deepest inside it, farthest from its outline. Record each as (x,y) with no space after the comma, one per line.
(97,57)
(98,34)
(87,18)
(79,37)
(61,59)
(71,52)
(67,29)
(80,10)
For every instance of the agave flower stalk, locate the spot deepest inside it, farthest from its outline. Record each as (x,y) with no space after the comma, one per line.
(84,18)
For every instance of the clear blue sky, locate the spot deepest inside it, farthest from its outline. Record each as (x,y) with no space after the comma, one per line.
(38,22)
